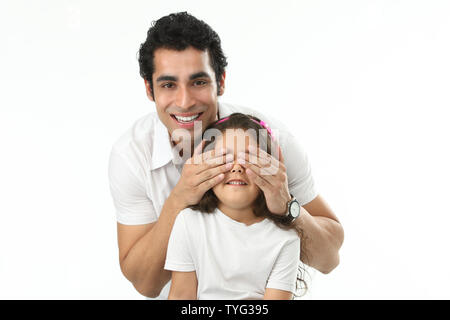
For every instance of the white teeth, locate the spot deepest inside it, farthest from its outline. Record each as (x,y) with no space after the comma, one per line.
(187,119)
(236,182)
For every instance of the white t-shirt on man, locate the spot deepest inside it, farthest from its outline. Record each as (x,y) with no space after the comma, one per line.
(142,170)
(233,261)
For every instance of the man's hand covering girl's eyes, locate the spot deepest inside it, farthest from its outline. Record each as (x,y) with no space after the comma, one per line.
(269,174)
(200,173)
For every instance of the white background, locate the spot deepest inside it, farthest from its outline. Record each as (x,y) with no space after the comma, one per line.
(364,85)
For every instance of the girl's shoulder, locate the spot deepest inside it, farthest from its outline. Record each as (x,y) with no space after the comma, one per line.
(198,225)
(189,215)
(284,234)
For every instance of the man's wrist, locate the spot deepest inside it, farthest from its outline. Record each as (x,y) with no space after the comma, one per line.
(176,203)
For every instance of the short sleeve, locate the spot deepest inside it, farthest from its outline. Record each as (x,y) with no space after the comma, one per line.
(284,272)
(300,178)
(132,204)
(178,256)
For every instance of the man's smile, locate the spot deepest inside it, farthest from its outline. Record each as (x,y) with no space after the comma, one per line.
(186,120)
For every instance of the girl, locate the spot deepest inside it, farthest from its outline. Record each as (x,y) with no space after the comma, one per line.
(229,245)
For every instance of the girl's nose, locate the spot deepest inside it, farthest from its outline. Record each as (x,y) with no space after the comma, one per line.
(237,168)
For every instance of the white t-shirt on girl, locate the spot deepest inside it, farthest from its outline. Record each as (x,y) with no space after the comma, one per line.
(232,260)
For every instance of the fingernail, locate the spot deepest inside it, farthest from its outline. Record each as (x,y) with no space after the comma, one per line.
(229,157)
(229,165)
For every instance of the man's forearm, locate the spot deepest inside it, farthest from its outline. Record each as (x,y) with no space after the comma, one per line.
(144,263)
(321,240)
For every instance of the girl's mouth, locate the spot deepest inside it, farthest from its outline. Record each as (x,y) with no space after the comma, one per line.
(237,182)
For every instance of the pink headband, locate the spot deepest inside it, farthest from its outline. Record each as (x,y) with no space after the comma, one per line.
(261,123)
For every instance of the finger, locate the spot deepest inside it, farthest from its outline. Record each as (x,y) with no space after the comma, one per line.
(200,158)
(213,172)
(275,153)
(261,154)
(257,151)
(262,183)
(214,162)
(253,158)
(218,160)
(208,184)
(268,173)
(269,163)
(214,153)
(281,158)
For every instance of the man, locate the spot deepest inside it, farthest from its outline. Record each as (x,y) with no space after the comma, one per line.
(183,67)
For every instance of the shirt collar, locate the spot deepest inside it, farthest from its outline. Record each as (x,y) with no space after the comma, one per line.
(162,147)
(224,110)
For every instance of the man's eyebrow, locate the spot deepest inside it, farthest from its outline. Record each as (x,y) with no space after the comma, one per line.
(166,78)
(201,74)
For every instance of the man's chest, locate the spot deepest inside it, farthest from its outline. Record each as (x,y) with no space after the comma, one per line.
(159,184)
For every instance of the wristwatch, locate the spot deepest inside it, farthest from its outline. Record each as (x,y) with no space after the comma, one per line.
(293,209)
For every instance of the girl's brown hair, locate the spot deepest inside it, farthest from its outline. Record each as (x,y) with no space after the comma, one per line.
(209,202)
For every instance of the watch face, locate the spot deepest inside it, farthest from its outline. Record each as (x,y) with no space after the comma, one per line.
(295,209)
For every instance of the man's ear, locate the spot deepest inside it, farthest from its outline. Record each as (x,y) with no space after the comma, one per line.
(222,84)
(149,91)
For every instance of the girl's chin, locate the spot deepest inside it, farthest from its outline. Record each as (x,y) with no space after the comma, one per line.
(237,204)
(237,200)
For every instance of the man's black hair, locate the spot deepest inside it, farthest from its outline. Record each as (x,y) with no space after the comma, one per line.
(179,31)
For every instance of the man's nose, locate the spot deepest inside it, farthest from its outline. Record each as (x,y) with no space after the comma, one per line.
(183,98)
